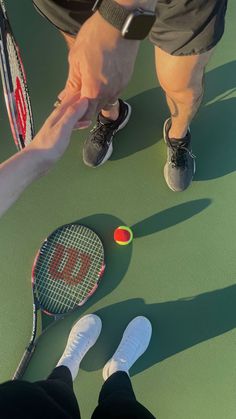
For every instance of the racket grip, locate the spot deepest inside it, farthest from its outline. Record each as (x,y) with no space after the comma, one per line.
(24,363)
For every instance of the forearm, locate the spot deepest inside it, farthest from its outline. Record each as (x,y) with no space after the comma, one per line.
(40,155)
(17,173)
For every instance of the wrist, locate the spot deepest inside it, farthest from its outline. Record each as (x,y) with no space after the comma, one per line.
(133,25)
(112,34)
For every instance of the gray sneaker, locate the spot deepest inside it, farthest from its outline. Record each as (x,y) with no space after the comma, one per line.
(98,146)
(180,165)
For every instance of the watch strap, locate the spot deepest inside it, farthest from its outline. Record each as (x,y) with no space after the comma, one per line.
(113,13)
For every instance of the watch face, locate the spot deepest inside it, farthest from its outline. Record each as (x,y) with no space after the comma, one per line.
(138,24)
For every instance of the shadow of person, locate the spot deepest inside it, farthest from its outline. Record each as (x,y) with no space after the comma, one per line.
(177,325)
(117,260)
(215,125)
(213,128)
(214,140)
(220,81)
(145,126)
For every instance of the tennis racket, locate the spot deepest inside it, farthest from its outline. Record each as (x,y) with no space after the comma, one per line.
(66,272)
(14,84)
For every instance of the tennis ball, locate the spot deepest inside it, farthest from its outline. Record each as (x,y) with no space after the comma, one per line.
(123,235)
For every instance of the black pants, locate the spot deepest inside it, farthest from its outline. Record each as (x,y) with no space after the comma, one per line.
(55,398)
(116,398)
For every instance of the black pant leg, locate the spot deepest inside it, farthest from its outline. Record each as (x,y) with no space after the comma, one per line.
(59,386)
(47,399)
(117,384)
(117,400)
(62,373)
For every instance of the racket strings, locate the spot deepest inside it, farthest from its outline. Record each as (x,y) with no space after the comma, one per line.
(68,268)
(48,288)
(22,101)
(57,298)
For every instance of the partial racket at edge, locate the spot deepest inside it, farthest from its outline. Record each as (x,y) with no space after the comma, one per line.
(14,83)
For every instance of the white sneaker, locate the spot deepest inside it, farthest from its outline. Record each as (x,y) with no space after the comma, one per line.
(82,337)
(133,344)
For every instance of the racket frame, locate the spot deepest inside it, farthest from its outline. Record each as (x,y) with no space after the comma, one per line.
(8,88)
(26,357)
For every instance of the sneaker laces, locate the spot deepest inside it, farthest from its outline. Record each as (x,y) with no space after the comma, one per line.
(132,343)
(178,157)
(100,129)
(73,346)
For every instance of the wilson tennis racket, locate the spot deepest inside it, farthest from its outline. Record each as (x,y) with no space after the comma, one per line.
(66,272)
(14,84)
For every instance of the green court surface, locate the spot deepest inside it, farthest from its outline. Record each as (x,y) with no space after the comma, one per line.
(180,270)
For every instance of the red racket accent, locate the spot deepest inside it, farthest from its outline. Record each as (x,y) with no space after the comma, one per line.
(21,108)
(73,256)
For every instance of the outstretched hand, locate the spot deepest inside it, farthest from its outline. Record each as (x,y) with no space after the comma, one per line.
(54,136)
(39,156)
(101,64)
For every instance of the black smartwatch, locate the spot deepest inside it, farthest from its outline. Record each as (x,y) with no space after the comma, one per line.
(133,24)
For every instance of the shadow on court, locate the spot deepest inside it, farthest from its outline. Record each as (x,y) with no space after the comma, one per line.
(177,325)
(215,125)
(117,259)
(145,126)
(213,129)
(169,217)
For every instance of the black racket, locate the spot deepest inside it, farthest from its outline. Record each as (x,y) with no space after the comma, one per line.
(14,84)
(65,273)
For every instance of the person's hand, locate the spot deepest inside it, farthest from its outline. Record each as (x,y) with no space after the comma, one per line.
(100,64)
(38,157)
(54,136)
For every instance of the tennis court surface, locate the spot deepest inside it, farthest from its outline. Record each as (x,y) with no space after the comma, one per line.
(179,271)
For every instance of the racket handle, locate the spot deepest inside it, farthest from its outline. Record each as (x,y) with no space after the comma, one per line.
(24,362)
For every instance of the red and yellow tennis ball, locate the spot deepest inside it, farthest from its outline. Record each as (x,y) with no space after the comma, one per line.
(123,235)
